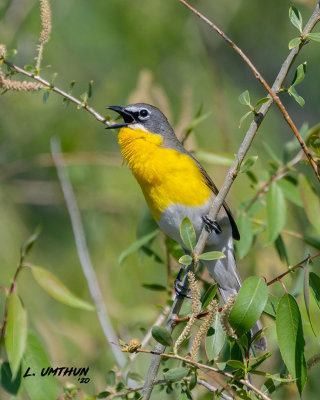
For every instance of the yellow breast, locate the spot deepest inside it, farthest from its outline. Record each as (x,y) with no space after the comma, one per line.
(166,176)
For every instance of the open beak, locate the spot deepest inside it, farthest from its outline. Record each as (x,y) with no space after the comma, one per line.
(128,118)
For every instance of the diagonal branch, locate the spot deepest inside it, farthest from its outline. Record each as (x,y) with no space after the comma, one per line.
(272,93)
(232,174)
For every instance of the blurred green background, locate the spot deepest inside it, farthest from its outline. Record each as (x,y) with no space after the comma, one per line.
(153,51)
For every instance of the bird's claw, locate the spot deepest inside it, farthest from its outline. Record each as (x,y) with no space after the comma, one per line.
(211,225)
(181,290)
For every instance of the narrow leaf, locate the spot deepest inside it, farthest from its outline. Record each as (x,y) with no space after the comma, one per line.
(216,158)
(208,296)
(246,235)
(243,118)
(28,244)
(36,358)
(276,211)
(314,36)
(306,290)
(187,233)
(16,332)
(137,245)
(52,285)
(249,162)
(249,304)
(275,377)
(176,374)
(314,281)
(262,101)
(244,98)
(312,241)
(290,191)
(281,250)
(154,286)
(7,382)
(271,306)
(161,335)
(294,42)
(215,338)
(211,255)
(290,339)
(300,100)
(310,202)
(236,364)
(295,17)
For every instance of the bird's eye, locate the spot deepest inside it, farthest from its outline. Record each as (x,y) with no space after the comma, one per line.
(144,113)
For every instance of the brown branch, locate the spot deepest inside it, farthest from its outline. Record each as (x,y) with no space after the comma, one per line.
(257,74)
(299,265)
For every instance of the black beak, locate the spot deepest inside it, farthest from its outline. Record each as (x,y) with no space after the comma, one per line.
(128,118)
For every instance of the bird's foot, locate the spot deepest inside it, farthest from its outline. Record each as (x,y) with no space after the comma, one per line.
(211,225)
(181,290)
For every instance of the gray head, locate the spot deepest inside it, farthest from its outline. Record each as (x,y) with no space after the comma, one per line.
(146,117)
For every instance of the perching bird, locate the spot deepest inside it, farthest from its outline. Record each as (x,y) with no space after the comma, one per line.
(175,186)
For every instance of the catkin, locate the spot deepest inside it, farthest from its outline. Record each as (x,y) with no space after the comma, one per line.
(45,21)
(20,86)
(212,310)
(3,51)
(196,295)
(224,316)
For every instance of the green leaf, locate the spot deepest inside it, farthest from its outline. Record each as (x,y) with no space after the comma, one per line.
(248,164)
(295,18)
(290,339)
(281,250)
(30,68)
(137,245)
(244,98)
(314,36)
(90,89)
(299,74)
(262,101)
(52,285)
(314,282)
(45,97)
(154,286)
(215,338)
(16,332)
(28,244)
(275,377)
(300,100)
(36,358)
(185,260)
(111,378)
(246,235)
(271,306)
(244,117)
(187,233)
(294,42)
(216,158)
(310,202)
(176,374)
(196,122)
(236,364)
(7,382)
(174,248)
(161,335)
(276,211)
(208,296)
(290,191)
(249,304)
(312,241)
(306,290)
(211,255)
(146,223)
(314,140)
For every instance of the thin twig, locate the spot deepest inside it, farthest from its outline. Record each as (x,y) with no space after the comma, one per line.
(59,91)
(232,173)
(83,252)
(272,93)
(206,367)
(299,265)
(278,175)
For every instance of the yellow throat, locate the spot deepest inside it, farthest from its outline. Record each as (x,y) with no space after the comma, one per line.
(166,176)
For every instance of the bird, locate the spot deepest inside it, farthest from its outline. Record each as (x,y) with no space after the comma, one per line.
(175,186)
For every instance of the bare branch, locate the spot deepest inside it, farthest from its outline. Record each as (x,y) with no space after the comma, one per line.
(83,252)
(272,93)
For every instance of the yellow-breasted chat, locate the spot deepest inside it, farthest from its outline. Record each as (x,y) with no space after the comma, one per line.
(175,186)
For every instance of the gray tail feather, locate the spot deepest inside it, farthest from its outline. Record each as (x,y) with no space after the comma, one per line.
(225,273)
